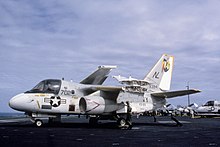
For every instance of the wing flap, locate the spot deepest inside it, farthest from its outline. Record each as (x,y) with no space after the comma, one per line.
(171,94)
(93,88)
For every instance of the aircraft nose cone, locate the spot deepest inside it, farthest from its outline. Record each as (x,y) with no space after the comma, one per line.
(16,102)
(12,103)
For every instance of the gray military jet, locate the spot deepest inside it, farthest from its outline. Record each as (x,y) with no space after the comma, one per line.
(52,98)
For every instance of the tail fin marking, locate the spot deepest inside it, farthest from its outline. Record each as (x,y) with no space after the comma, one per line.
(161,73)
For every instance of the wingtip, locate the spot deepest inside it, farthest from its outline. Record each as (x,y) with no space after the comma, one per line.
(197,90)
(108,66)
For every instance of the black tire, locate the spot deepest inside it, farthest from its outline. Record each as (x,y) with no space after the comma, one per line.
(129,123)
(38,123)
(212,108)
(121,122)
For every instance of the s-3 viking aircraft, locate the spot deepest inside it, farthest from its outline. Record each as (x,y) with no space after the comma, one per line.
(52,98)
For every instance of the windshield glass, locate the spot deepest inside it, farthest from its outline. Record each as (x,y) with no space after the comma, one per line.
(47,86)
(209,103)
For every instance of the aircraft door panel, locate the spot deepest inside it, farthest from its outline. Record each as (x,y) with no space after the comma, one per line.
(42,101)
(73,105)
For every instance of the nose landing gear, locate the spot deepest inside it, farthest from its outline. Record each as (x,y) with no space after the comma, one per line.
(38,122)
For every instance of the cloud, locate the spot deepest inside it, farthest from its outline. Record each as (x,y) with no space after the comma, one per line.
(54,39)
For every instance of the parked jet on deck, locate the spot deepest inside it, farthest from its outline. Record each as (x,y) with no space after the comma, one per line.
(209,109)
(52,98)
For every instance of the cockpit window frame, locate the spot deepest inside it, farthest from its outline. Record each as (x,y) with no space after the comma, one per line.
(209,103)
(46,88)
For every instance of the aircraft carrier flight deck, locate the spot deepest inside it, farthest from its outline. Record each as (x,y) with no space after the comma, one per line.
(74,131)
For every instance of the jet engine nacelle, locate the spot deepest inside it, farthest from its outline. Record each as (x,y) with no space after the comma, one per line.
(92,105)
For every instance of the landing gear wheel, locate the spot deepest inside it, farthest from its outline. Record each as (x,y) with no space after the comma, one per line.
(129,123)
(121,122)
(38,123)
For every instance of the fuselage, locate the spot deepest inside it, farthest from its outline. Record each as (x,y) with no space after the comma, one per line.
(63,97)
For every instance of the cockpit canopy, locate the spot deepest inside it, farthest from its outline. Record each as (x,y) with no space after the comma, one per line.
(212,103)
(209,103)
(46,86)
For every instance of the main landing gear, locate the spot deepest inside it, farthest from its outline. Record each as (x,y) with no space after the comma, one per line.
(124,124)
(178,123)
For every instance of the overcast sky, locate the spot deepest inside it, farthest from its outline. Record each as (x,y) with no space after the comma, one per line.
(70,38)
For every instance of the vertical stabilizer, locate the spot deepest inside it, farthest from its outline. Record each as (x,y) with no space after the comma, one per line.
(161,73)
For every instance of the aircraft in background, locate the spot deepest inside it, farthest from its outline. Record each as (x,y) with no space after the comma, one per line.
(52,98)
(210,109)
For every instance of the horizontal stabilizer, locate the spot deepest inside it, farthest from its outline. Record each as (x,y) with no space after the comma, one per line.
(171,94)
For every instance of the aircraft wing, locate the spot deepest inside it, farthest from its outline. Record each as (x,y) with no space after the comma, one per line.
(99,76)
(108,88)
(109,92)
(171,94)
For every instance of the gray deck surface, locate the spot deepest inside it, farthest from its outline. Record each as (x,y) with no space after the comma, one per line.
(77,132)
